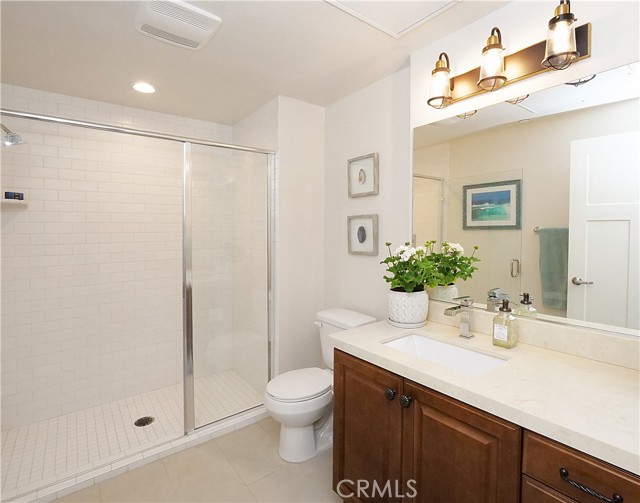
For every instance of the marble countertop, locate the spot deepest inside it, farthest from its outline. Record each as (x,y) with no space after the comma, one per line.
(589,405)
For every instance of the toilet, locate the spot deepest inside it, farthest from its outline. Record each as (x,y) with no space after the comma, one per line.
(301,400)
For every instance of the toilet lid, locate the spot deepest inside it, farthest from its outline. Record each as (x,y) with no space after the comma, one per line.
(298,385)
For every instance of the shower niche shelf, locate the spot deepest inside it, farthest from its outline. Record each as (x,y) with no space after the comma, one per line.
(14,204)
(8,201)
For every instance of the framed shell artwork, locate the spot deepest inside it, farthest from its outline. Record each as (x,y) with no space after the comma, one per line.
(363,175)
(363,234)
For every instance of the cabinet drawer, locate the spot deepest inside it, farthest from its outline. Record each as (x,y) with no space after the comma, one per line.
(535,492)
(544,459)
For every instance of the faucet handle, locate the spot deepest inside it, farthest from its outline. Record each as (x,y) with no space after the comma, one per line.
(465,300)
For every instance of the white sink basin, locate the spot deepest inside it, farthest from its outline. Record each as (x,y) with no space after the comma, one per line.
(454,357)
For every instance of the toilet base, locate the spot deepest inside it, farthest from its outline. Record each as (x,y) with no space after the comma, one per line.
(301,443)
(297,443)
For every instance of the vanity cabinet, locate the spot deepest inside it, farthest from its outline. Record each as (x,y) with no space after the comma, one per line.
(367,426)
(553,472)
(395,440)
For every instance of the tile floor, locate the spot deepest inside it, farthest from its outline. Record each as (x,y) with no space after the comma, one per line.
(242,466)
(52,450)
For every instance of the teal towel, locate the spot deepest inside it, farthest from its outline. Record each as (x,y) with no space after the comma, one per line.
(554,261)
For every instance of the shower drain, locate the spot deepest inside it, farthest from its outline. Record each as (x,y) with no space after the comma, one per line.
(144,421)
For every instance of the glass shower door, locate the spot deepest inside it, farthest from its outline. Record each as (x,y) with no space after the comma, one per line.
(229,277)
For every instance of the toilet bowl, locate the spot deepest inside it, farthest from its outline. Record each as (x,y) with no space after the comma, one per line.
(302,400)
(299,400)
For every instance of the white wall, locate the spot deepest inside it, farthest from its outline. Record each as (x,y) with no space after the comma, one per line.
(300,254)
(374,119)
(296,131)
(614,42)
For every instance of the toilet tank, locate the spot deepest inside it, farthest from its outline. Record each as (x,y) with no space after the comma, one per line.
(334,320)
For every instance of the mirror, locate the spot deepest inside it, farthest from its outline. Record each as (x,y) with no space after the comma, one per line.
(569,146)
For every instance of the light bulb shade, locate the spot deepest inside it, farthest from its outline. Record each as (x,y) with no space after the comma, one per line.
(492,75)
(440,95)
(561,50)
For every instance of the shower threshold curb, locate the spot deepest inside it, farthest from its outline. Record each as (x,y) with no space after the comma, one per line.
(87,478)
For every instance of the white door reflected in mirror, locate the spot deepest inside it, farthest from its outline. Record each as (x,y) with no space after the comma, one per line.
(604,222)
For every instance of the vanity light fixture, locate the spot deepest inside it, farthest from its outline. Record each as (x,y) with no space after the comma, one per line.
(441,83)
(466,115)
(498,70)
(518,100)
(580,82)
(561,50)
(492,75)
(143,87)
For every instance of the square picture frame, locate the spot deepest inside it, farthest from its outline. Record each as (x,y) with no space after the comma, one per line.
(495,205)
(362,174)
(362,234)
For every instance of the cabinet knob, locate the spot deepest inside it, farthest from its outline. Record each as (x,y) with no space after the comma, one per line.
(615,498)
(405,401)
(390,393)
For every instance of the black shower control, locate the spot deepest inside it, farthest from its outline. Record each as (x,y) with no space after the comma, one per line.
(14,195)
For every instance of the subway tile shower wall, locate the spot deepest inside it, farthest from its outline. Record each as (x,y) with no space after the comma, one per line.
(91,264)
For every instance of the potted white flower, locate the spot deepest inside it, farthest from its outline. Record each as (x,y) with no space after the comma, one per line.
(410,270)
(450,264)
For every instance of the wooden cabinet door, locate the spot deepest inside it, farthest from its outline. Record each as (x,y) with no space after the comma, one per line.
(367,430)
(456,453)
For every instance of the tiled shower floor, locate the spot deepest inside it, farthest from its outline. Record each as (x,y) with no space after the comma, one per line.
(48,451)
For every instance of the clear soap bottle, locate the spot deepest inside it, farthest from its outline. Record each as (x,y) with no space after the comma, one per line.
(505,327)
(526,307)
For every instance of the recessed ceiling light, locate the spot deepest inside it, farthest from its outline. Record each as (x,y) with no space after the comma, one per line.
(143,87)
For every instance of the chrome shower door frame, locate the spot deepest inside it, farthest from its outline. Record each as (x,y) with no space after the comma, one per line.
(187,272)
(187,280)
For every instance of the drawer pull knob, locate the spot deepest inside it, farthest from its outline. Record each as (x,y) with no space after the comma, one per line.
(390,393)
(616,498)
(405,401)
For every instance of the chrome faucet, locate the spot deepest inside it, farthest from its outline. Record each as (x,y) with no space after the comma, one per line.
(463,309)
(495,298)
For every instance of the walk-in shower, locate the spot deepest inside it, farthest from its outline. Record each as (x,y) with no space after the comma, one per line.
(135,296)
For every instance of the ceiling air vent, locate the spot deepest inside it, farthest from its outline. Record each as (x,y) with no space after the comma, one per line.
(177,23)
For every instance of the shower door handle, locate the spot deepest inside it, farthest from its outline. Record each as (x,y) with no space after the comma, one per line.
(515,268)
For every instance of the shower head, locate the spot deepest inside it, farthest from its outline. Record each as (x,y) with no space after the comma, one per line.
(10,138)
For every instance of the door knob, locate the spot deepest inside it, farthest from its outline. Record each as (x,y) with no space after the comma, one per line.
(579,281)
(405,401)
(390,393)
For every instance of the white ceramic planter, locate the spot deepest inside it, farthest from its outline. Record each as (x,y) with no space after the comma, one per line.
(408,309)
(445,293)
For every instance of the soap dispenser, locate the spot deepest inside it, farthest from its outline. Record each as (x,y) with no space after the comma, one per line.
(526,308)
(505,327)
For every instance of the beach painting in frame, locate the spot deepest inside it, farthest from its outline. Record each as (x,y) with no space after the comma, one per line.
(493,205)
